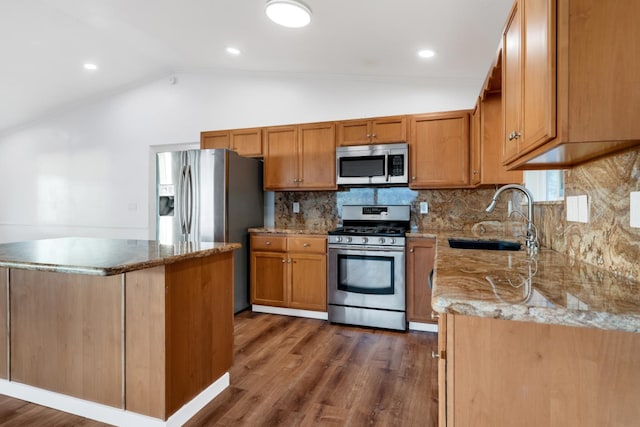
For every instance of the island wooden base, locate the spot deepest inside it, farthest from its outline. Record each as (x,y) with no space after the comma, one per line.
(145,342)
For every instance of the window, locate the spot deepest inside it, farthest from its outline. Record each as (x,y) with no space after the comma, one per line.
(546,186)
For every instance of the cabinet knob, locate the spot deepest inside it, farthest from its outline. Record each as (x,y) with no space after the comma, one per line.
(306,245)
(435,355)
(267,243)
(514,135)
(434,315)
(412,250)
(476,172)
(368,135)
(373,135)
(413,178)
(289,261)
(283,261)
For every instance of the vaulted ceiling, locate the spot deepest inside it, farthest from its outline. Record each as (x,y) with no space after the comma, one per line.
(44,44)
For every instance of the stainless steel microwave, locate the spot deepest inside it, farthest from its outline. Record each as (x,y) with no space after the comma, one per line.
(382,164)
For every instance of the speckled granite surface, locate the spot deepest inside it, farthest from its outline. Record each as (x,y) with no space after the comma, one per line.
(284,230)
(549,287)
(101,257)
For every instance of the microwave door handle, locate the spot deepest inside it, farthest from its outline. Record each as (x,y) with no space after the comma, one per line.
(386,166)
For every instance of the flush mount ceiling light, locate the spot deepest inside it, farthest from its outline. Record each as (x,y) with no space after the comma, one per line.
(426,53)
(90,66)
(288,13)
(233,51)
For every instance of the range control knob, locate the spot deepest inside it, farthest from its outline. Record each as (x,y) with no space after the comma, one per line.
(348,239)
(365,239)
(338,239)
(393,241)
(381,240)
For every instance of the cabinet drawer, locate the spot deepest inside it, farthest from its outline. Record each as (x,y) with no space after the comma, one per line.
(317,245)
(266,242)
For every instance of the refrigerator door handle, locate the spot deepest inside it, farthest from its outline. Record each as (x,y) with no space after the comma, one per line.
(182,192)
(190,200)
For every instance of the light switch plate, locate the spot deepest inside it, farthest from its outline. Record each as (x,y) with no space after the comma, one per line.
(577,208)
(583,209)
(296,207)
(572,208)
(635,209)
(424,207)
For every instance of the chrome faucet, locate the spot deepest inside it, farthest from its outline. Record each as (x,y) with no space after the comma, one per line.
(531,238)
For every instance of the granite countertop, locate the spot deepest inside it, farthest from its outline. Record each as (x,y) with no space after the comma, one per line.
(101,257)
(546,288)
(274,230)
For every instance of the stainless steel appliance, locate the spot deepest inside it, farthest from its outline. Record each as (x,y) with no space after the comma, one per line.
(207,196)
(383,164)
(366,272)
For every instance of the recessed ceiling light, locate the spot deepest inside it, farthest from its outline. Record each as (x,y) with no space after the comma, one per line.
(288,13)
(233,51)
(426,53)
(90,66)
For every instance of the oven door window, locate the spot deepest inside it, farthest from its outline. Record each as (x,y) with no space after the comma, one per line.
(366,166)
(366,274)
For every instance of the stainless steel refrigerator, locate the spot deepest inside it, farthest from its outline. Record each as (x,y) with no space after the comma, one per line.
(210,196)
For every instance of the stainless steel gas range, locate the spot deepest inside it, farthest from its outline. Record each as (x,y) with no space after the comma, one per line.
(366,273)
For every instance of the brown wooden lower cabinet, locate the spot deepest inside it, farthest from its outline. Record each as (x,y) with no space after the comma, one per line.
(289,271)
(507,373)
(420,257)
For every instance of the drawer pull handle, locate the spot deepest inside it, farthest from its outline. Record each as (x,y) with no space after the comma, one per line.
(434,315)
(435,355)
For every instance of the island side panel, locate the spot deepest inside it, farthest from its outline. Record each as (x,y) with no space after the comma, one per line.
(4,332)
(145,342)
(66,334)
(199,325)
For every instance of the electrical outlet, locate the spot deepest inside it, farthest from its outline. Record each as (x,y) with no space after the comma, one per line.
(583,209)
(634,209)
(296,207)
(424,208)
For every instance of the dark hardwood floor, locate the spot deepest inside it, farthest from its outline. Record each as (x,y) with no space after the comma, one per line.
(302,372)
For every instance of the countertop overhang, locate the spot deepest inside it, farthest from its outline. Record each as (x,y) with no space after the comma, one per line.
(102,257)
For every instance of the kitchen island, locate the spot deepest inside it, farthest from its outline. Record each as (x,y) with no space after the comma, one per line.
(534,340)
(128,332)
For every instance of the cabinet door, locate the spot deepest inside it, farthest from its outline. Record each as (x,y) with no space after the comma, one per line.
(317,158)
(512,84)
(420,255)
(247,142)
(308,282)
(389,129)
(539,79)
(280,158)
(353,132)
(493,172)
(476,141)
(268,278)
(214,139)
(439,150)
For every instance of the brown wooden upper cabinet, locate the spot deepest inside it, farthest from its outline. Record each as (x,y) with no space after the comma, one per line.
(439,150)
(246,142)
(569,81)
(380,130)
(301,157)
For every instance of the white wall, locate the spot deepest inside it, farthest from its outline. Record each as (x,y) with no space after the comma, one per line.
(85,171)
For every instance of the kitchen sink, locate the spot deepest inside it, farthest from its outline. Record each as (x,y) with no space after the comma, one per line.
(488,244)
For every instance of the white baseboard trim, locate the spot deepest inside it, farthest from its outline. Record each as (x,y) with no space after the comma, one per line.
(109,414)
(424,327)
(321,315)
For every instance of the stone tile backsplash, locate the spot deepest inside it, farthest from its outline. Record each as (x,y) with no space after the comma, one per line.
(607,241)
